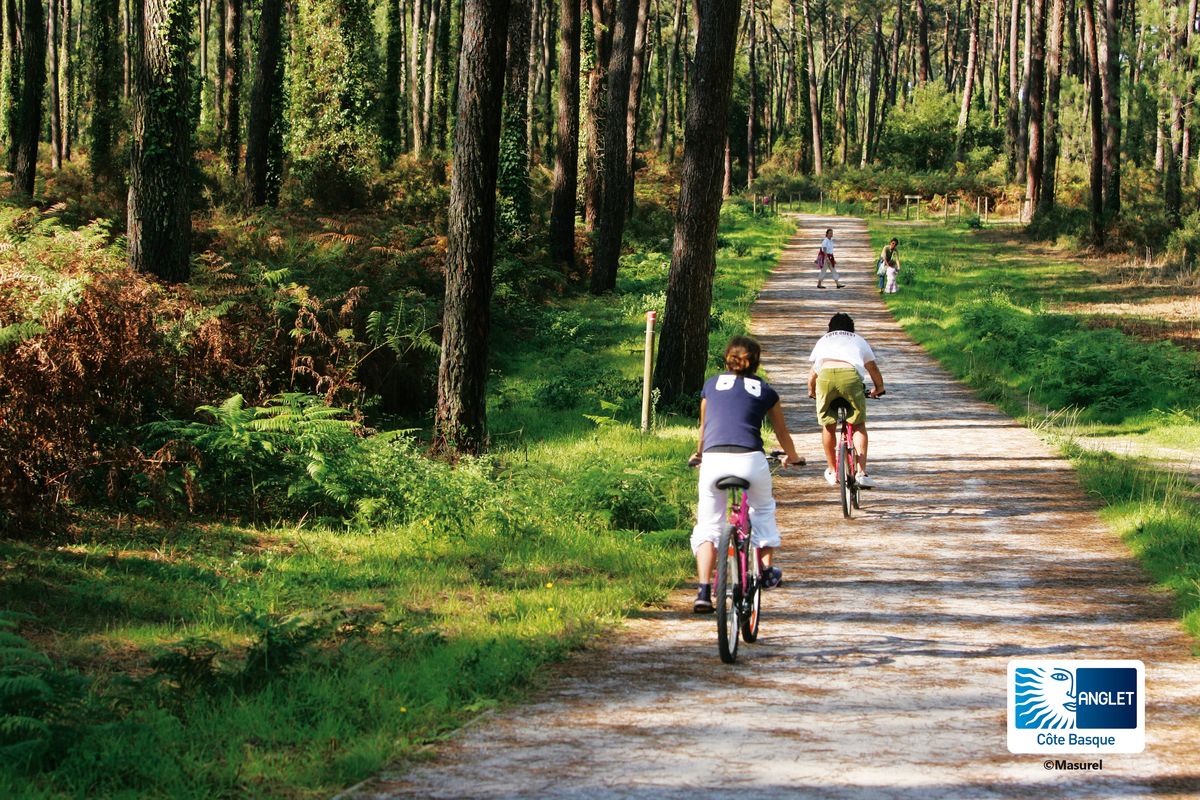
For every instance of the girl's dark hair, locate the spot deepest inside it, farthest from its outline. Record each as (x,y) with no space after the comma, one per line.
(841,321)
(742,355)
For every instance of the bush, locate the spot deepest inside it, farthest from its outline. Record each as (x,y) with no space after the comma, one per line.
(297,455)
(921,136)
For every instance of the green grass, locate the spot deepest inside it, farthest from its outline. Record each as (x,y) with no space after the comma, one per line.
(202,659)
(983,304)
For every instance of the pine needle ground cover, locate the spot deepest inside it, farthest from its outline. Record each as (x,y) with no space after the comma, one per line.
(214,655)
(1026,326)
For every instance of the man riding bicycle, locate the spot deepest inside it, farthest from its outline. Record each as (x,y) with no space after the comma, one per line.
(733,406)
(841,361)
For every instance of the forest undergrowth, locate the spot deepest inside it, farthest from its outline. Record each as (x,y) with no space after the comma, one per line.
(1028,327)
(250,568)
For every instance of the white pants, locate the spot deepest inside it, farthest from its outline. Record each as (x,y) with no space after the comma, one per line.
(828,267)
(711,517)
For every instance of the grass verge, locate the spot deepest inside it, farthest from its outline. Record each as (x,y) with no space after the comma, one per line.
(985,305)
(202,659)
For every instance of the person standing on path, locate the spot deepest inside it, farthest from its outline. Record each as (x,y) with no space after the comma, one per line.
(826,261)
(732,408)
(888,260)
(841,361)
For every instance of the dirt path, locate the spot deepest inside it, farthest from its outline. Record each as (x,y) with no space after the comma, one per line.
(881,668)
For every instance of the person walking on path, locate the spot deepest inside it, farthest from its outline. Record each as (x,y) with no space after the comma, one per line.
(826,262)
(841,361)
(732,408)
(888,266)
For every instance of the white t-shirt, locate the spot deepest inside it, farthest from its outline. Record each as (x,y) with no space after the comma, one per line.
(843,346)
(827,246)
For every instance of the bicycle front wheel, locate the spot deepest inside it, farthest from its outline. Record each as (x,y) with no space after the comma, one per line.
(727,597)
(844,478)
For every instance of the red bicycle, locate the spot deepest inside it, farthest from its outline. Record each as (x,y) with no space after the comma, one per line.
(847,457)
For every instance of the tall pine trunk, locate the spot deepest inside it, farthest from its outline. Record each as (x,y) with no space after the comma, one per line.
(29,109)
(460,424)
(1095,117)
(431,37)
(964,111)
(233,84)
(1037,93)
(159,209)
(925,68)
(53,51)
(752,107)
(1110,82)
(566,151)
(1013,116)
(683,349)
(1053,84)
(814,103)
(614,189)
(105,81)
(262,177)
(633,115)
(593,178)
(513,175)
(416,25)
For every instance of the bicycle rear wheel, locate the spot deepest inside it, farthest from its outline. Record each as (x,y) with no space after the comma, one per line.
(844,478)
(727,598)
(752,590)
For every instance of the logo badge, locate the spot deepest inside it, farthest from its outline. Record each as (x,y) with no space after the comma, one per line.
(1076,706)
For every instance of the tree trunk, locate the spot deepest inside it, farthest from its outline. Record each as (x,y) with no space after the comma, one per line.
(431,36)
(641,61)
(127,50)
(53,52)
(1037,89)
(926,69)
(262,177)
(205,91)
(1013,118)
(597,104)
(868,128)
(513,175)
(997,59)
(1095,108)
(414,78)
(233,84)
(105,89)
(1053,84)
(683,349)
(219,99)
(814,103)
(389,112)
(1176,41)
(752,107)
(29,110)
(1110,82)
(964,111)
(897,42)
(460,423)
(566,153)
(615,189)
(159,210)
(1023,128)
(10,92)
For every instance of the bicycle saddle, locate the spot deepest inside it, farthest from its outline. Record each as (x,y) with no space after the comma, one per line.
(841,402)
(733,482)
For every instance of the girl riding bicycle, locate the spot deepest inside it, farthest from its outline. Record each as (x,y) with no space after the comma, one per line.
(733,406)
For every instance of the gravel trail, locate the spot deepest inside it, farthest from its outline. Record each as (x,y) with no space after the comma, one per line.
(880,671)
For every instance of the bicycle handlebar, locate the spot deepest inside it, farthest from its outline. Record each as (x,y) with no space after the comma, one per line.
(775,455)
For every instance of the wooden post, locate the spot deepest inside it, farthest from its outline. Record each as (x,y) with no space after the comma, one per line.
(889,206)
(648,371)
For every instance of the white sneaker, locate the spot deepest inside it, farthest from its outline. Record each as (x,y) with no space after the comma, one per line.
(831,476)
(864,480)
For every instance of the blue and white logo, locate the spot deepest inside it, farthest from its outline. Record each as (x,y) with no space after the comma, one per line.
(1075,706)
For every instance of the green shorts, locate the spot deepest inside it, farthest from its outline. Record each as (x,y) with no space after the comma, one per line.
(844,382)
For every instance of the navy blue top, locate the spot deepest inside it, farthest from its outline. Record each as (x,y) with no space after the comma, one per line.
(735,409)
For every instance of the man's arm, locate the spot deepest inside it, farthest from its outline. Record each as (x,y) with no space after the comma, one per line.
(876,378)
(812,381)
